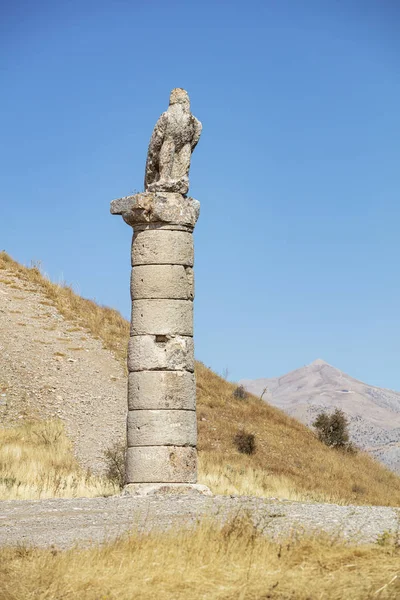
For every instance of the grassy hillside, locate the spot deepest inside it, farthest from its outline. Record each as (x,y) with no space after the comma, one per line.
(288,462)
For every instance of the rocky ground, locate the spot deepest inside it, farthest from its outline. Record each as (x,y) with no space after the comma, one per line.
(50,368)
(85,521)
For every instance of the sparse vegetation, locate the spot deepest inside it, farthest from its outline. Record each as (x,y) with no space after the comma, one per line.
(209,562)
(245,442)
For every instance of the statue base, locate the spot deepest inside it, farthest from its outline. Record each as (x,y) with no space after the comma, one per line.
(165,489)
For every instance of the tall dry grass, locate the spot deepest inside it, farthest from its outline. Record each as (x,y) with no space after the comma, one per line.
(36,461)
(289,460)
(211,562)
(241,478)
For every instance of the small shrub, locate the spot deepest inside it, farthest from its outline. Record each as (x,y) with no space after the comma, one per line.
(385,538)
(240,393)
(333,430)
(115,464)
(358,489)
(47,433)
(350,448)
(245,442)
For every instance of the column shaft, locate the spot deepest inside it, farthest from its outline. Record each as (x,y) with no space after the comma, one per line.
(161,423)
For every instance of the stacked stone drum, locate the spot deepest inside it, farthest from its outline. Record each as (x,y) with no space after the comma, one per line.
(161,424)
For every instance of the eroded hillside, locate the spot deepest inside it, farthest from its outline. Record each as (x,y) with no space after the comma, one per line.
(52,367)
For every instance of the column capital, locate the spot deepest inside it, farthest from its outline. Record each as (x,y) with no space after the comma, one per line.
(157,209)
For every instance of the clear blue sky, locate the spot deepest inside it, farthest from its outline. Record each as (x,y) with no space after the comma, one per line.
(297,170)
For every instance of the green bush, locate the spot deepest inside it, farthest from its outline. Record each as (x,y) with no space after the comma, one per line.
(333,430)
(245,442)
(115,464)
(240,393)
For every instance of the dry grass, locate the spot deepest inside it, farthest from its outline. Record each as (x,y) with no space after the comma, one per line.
(36,461)
(234,561)
(288,462)
(237,478)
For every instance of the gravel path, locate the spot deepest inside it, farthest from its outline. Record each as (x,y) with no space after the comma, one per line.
(82,521)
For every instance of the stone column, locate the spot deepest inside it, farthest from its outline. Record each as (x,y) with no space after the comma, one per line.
(161,423)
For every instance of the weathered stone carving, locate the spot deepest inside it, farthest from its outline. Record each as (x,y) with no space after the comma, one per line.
(174,138)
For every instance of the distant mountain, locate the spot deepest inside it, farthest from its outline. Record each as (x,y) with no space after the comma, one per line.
(373,412)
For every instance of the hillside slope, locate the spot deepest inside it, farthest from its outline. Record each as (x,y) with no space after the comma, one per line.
(373,412)
(50,367)
(289,461)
